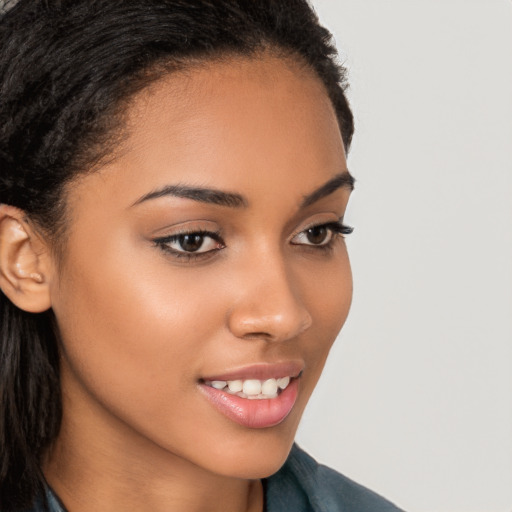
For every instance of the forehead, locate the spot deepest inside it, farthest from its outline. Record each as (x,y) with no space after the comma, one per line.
(240,124)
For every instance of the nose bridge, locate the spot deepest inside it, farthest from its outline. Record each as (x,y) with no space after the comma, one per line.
(269,304)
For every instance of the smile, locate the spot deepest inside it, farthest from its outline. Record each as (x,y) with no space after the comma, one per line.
(256,396)
(252,389)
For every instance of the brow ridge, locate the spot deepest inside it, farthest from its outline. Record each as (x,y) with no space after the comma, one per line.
(201,194)
(342,180)
(234,200)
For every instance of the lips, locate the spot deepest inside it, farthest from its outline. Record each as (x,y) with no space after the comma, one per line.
(257,396)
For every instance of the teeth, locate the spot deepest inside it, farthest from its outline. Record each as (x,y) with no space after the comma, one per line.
(269,387)
(235,386)
(253,389)
(283,383)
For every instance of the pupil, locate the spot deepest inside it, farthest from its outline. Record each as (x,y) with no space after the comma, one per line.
(317,234)
(191,243)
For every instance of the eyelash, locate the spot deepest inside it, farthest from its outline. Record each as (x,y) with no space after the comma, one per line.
(336,228)
(164,242)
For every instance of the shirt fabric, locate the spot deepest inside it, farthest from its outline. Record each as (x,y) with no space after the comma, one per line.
(301,485)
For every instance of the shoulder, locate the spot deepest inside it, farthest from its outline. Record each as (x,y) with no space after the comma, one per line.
(304,485)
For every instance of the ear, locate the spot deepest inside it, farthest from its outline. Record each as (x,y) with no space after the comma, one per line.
(24,262)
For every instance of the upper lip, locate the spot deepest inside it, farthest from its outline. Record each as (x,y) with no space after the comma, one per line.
(260,371)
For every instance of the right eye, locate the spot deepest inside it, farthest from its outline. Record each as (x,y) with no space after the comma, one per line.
(190,244)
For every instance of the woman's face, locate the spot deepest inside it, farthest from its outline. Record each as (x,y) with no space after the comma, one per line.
(209,252)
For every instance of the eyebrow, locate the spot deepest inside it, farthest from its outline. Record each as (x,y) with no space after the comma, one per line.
(203,195)
(343,180)
(234,200)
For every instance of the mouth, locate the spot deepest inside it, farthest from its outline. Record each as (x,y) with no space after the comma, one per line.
(259,396)
(252,389)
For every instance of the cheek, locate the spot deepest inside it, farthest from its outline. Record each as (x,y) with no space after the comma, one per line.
(329,297)
(129,329)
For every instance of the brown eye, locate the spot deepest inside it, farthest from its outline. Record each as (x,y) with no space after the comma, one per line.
(317,234)
(195,244)
(191,243)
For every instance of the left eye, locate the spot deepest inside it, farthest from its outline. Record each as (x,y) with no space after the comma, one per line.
(188,243)
(316,235)
(321,235)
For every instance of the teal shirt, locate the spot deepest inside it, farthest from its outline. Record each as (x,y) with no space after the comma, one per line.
(301,485)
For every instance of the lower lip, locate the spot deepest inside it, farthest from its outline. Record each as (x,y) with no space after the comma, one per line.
(254,413)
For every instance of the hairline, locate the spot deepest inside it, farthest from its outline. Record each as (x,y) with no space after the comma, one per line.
(143,81)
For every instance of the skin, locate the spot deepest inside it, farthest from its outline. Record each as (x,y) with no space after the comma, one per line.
(140,327)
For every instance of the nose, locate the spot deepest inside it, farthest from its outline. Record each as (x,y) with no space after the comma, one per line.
(268,304)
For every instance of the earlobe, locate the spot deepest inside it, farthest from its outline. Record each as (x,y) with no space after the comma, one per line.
(23,262)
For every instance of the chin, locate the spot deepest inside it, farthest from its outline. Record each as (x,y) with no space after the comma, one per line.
(254,462)
(257,455)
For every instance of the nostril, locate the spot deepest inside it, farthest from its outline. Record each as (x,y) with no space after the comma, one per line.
(270,310)
(270,328)
(257,335)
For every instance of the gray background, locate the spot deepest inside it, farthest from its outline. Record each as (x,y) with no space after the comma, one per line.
(416,399)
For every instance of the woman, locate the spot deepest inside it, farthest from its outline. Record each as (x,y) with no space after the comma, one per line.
(173,184)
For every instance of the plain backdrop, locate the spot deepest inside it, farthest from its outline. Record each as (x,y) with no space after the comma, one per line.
(416,399)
